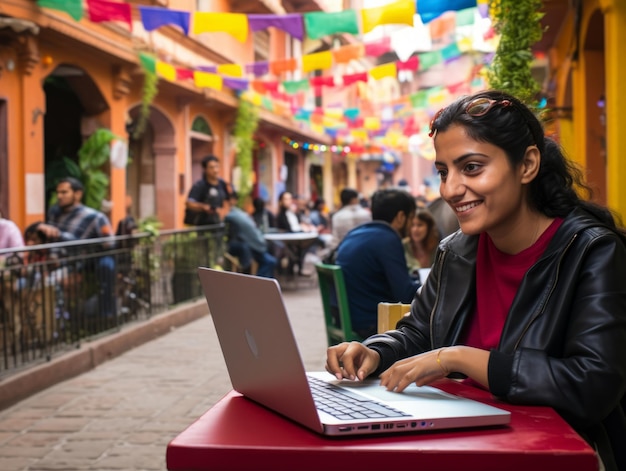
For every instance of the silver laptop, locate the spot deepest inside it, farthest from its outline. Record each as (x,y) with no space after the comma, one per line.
(264,365)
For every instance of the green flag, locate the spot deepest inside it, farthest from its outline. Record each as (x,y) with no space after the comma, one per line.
(295,86)
(429,59)
(319,24)
(148,62)
(74,8)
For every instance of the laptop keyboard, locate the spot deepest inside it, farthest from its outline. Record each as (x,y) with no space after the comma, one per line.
(344,405)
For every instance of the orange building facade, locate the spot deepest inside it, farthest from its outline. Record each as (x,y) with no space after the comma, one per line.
(62,79)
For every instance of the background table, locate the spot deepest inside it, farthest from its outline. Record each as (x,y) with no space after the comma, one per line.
(238,434)
(296,245)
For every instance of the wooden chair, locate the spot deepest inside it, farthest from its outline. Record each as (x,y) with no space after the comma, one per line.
(335,303)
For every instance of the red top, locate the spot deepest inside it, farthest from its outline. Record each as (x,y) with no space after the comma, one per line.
(498,276)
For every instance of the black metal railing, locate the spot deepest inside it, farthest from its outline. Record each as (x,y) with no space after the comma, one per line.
(55,296)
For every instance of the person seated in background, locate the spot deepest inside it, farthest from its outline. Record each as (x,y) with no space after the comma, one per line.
(528,299)
(287,220)
(351,215)
(318,216)
(421,244)
(246,241)
(263,217)
(372,259)
(10,235)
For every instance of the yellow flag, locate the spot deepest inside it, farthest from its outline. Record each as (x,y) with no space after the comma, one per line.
(384,70)
(165,70)
(232,70)
(359,134)
(207,80)
(317,61)
(372,123)
(235,24)
(400,12)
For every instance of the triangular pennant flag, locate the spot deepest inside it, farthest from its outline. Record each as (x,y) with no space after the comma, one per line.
(372,123)
(319,24)
(399,12)
(155,17)
(207,80)
(351,113)
(317,61)
(232,70)
(165,70)
(103,10)
(235,24)
(74,8)
(419,99)
(148,62)
(384,70)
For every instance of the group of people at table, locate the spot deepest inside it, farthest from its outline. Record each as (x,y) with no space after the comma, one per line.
(527,300)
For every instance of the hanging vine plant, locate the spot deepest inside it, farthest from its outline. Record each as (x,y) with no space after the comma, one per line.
(519,24)
(149,92)
(243,132)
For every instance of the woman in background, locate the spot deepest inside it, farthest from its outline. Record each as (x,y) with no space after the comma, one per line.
(421,244)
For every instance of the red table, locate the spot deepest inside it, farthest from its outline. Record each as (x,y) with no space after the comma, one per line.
(238,434)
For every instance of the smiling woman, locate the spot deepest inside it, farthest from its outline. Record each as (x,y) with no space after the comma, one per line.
(528,300)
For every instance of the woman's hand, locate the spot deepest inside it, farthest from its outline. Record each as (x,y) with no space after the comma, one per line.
(430,366)
(351,360)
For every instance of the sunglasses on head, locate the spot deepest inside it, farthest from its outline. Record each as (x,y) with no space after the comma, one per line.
(477,107)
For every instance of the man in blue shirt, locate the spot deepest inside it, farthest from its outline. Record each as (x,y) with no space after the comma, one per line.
(373,262)
(246,241)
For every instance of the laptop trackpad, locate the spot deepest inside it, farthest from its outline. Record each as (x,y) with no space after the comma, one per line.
(373,389)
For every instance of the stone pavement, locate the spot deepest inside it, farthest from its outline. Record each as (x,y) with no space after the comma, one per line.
(122,414)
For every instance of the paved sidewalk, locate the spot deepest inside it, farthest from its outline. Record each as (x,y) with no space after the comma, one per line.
(122,414)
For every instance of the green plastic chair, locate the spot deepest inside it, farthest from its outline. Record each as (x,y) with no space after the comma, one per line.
(335,303)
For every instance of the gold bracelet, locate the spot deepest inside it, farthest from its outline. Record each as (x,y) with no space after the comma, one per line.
(439,361)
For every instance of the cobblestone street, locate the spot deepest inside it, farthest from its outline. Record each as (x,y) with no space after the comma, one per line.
(122,414)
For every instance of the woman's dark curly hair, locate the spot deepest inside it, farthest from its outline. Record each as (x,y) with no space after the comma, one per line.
(510,125)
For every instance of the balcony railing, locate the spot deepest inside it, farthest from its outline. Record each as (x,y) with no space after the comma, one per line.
(55,296)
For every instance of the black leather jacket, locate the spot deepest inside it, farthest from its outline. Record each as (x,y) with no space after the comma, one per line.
(564,341)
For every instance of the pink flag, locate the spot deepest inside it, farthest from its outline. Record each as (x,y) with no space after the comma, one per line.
(378,48)
(102,10)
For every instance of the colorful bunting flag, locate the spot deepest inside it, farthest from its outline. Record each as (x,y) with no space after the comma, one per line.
(431,9)
(384,70)
(411,64)
(165,70)
(154,17)
(239,84)
(345,54)
(466,17)
(235,24)
(184,74)
(291,23)
(351,113)
(284,65)
(99,11)
(258,68)
(353,78)
(232,70)
(323,81)
(317,61)
(294,86)
(148,62)
(450,52)
(319,24)
(74,8)
(429,59)
(378,48)
(399,12)
(207,80)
